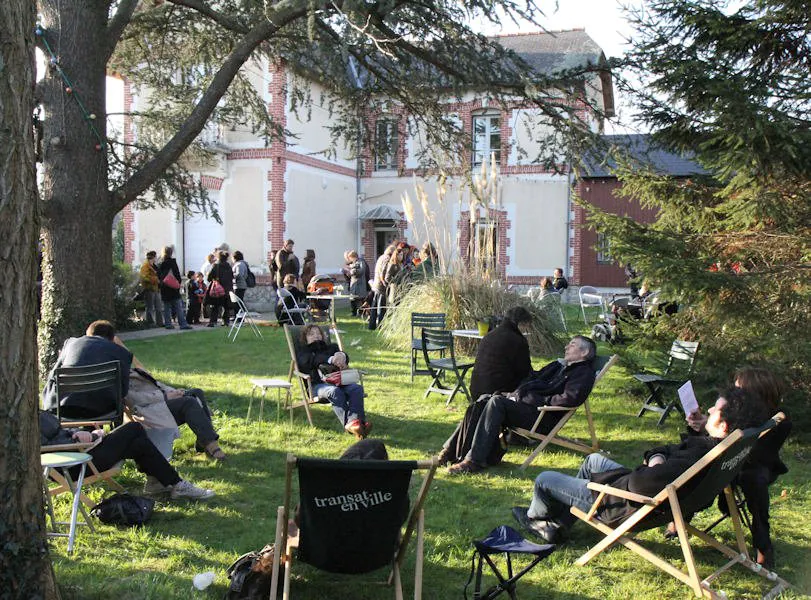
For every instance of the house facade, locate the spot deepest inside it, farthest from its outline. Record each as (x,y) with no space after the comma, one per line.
(332,201)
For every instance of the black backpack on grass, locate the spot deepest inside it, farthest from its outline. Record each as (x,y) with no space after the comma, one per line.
(250,575)
(124,509)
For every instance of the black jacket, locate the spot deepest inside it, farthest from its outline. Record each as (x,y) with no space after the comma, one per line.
(168,266)
(502,361)
(558,385)
(81,352)
(313,355)
(649,481)
(223,273)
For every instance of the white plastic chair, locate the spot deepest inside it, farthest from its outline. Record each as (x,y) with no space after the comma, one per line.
(304,314)
(590,298)
(243,315)
(552,303)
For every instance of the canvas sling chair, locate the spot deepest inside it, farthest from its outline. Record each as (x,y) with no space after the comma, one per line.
(691,492)
(503,539)
(305,385)
(601,365)
(354,518)
(92,474)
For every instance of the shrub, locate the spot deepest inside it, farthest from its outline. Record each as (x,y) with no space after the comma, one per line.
(465,300)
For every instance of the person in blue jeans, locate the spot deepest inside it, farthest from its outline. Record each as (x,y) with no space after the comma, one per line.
(347,400)
(170,295)
(548,515)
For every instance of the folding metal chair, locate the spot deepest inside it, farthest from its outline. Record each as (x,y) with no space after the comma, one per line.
(507,540)
(551,304)
(442,339)
(101,378)
(296,315)
(418,322)
(590,298)
(681,360)
(243,316)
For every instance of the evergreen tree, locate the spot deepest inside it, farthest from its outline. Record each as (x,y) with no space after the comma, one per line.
(733,247)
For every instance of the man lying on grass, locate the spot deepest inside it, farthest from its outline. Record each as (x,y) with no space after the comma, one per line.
(548,515)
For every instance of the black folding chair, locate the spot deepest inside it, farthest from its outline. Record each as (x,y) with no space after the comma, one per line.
(681,360)
(434,339)
(507,540)
(420,321)
(102,379)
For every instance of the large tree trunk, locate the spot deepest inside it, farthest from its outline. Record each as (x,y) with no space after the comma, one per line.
(77,213)
(25,571)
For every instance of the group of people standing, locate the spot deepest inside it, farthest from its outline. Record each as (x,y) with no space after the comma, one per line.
(399,263)
(160,282)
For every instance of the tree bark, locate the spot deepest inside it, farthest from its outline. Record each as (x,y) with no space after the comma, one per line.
(25,571)
(77,214)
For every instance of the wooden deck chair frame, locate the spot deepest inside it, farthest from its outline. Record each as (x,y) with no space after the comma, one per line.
(304,314)
(552,437)
(305,384)
(415,523)
(437,367)
(242,316)
(90,378)
(681,353)
(668,498)
(93,475)
(418,322)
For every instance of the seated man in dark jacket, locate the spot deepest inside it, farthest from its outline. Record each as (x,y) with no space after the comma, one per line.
(502,359)
(127,441)
(566,383)
(96,346)
(548,515)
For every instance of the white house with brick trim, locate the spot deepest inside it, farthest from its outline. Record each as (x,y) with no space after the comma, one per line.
(334,202)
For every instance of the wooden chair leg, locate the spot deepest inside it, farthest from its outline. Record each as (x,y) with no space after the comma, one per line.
(420,543)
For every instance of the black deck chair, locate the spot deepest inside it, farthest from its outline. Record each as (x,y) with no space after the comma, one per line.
(507,540)
(691,492)
(354,518)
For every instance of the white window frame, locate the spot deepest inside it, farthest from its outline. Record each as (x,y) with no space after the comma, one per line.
(386,153)
(483,145)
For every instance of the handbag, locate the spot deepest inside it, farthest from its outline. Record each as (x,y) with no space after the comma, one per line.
(216,290)
(124,509)
(344,377)
(171,281)
(251,575)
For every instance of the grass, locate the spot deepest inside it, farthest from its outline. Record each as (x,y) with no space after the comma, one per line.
(159,560)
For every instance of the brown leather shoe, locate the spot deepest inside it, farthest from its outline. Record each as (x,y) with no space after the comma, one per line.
(464,467)
(445,457)
(356,428)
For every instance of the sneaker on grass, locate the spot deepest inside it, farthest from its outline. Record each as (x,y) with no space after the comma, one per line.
(153,487)
(186,489)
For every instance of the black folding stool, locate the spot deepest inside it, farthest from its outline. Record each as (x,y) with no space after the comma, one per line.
(507,540)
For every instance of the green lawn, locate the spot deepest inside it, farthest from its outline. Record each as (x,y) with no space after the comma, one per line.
(182,539)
